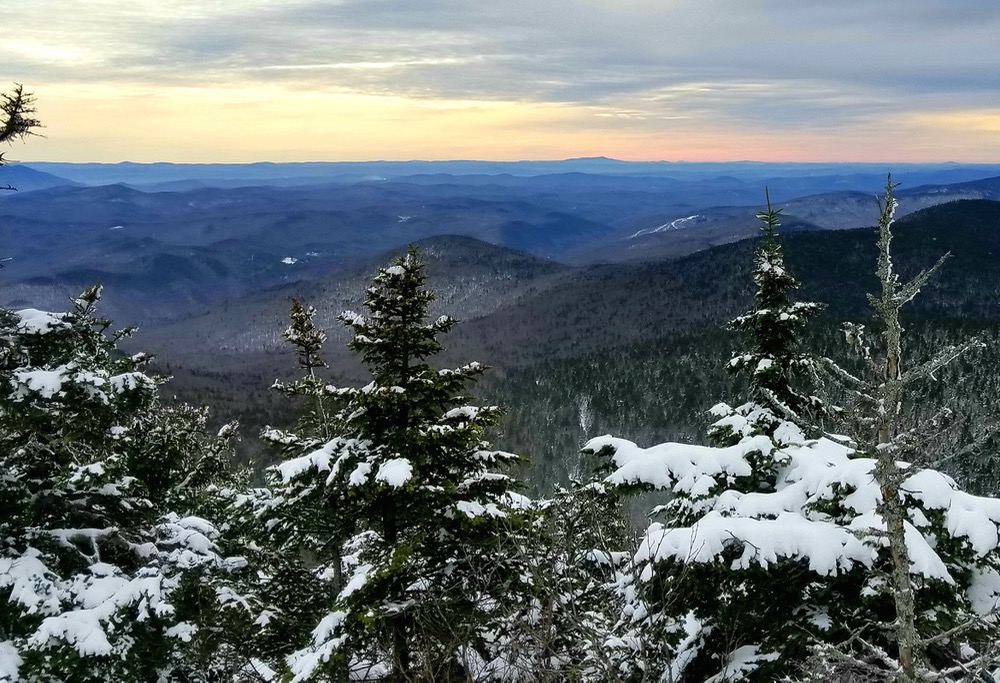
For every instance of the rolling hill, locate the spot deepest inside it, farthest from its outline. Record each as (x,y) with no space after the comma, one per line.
(171,255)
(625,338)
(640,346)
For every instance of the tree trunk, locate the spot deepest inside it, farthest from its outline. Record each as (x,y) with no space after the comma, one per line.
(894,514)
(401,660)
(893,509)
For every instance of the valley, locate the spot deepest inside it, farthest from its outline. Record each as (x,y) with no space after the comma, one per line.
(599,300)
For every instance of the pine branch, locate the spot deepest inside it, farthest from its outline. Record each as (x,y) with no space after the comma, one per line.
(941,358)
(905,293)
(838,372)
(18,122)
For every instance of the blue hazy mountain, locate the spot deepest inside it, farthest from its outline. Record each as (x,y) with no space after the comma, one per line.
(165,255)
(809,178)
(25,178)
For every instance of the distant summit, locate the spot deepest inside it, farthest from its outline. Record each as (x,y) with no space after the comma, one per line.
(26,179)
(619,161)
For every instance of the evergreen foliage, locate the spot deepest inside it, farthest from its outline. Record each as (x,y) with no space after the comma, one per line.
(300,526)
(418,520)
(18,120)
(571,555)
(879,431)
(773,331)
(682,616)
(776,549)
(389,545)
(108,568)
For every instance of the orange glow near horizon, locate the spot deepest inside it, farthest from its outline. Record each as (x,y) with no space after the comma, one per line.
(274,123)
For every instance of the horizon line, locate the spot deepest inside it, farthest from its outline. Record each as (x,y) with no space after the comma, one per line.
(511,161)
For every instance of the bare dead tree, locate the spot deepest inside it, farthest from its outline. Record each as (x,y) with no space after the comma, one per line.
(880,431)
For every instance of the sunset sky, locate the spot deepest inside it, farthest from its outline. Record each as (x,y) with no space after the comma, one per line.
(251,80)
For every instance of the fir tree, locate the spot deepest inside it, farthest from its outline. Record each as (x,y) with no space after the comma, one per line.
(776,546)
(426,567)
(774,362)
(106,566)
(878,429)
(308,340)
(301,524)
(18,120)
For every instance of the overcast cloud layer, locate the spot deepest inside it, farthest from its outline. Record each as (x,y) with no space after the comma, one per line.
(779,70)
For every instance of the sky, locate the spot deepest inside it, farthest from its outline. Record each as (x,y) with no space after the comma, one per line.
(331,80)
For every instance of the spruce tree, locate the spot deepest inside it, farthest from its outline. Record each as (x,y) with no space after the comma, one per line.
(923,616)
(833,558)
(18,117)
(300,524)
(726,605)
(773,361)
(426,567)
(17,121)
(107,567)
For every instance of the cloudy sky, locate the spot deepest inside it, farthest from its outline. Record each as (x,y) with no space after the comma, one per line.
(248,80)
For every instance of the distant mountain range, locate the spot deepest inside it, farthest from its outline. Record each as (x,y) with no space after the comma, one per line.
(167,255)
(671,235)
(849,176)
(567,274)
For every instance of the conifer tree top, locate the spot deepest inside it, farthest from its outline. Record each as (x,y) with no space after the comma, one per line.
(772,328)
(396,331)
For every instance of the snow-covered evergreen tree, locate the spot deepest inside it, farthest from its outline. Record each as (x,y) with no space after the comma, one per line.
(921,616)
(773,361)
(106,569)
(307,340)
(299,526)
(727,603)
(774,546)
(570,555)
(427,565)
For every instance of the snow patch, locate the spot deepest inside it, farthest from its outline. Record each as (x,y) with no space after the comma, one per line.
(10,661)
(473,509)
(395,472)
(740,663)
(33,321)
(44,383)
(675,224)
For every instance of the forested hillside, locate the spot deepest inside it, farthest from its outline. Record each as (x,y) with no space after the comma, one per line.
(637,349)
(805,526)
(660,386)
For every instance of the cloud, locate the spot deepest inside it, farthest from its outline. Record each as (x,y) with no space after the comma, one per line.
(767,64)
